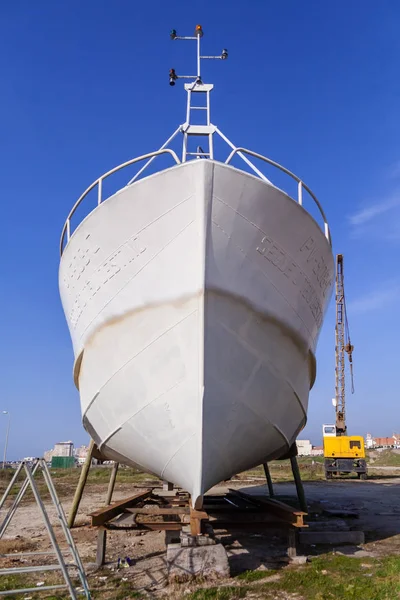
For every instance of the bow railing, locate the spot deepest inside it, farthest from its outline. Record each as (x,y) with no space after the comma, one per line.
(300,184)
(66,231)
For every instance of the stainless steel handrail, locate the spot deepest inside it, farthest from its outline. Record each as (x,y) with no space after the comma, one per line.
(301,184)
(67,225)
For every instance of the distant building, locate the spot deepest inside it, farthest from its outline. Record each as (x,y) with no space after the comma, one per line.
(48,455)
(304,447)
(317,451)
(81,453)
(63,449)
(60,449)
(369,441)
(384,442)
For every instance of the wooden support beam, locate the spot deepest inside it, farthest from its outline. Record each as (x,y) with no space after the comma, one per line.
(101,516)
(278,509)
(196,518)
(111,484)
(299,484)
(179,510)
(159,525)
(269,480)
(81,485)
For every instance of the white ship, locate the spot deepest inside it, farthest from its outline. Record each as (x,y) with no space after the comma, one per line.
(194,298)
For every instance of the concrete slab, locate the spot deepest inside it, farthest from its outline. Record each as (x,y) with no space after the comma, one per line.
(347,514)
(331,537)
(331,525)
(209,562)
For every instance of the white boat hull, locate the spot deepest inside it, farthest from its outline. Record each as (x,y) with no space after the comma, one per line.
(194,300)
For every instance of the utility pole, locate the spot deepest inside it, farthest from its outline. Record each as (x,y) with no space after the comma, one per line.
(5,412)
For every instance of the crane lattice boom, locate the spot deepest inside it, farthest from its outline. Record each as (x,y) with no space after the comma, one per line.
(343,346)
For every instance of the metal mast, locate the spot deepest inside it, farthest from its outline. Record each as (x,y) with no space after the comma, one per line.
(198,100)
(343,346)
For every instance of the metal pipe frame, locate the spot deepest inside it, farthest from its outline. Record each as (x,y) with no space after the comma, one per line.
(299,181)
(50,531)
(67,226)
(10,593)
(17,499)
(14,477)
(65,528)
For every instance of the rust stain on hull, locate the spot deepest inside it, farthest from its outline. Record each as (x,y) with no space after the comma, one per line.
(265,316)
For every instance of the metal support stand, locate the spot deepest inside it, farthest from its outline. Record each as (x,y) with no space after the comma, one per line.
(269,480)
(299,484)
(40,465)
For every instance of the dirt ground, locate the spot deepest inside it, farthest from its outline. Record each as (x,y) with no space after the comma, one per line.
(376,502)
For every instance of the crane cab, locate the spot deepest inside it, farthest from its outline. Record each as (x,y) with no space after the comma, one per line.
(343,453)
(328,431)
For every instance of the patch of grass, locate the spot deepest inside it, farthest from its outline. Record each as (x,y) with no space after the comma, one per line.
(343,578)
(66,480)
(114,589)
(386,458)
(12,582)
(17,545)
(311,469)
(255,575)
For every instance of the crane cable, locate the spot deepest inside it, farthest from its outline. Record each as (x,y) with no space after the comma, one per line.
(347,345)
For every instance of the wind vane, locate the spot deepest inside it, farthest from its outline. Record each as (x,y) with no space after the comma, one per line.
(198,34)
(204,130)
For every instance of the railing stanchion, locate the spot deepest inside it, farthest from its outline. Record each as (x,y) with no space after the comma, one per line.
(99,191)
(327,232)
(300,193)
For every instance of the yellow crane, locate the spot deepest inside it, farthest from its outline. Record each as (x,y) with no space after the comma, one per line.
(342,453)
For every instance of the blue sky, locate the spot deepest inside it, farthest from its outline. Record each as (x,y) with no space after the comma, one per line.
(313,85)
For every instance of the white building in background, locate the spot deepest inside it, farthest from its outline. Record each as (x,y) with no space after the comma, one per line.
(304,447)
(369,441)
(81,454)
(60,449)
(317,451)
(64,449)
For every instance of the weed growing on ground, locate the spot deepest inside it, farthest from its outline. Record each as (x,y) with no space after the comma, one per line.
(249,576)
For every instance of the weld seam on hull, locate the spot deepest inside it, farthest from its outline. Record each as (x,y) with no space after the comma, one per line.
(133,277)
(264,275)
(204,209)
(129,239)
(267,361)
(135,356)
(281,433)
(175,453)
(145,406)
(109,436)
(260,230)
